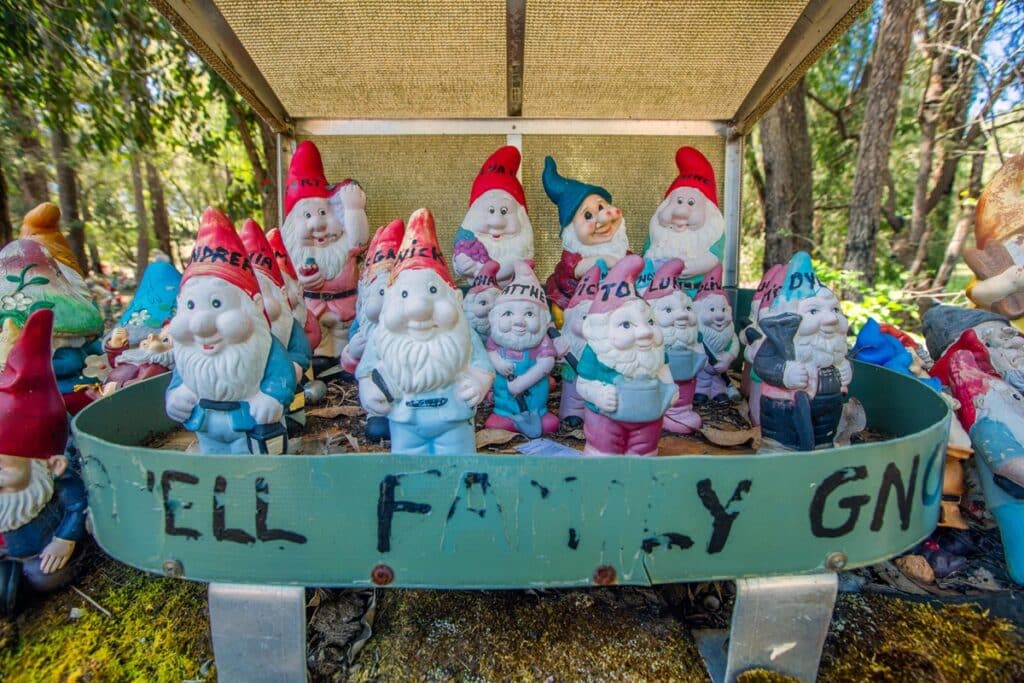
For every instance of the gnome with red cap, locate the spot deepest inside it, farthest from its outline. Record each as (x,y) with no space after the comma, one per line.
(722,346)
(571,407)
(622,374)
(483,291)
(42,502)
(232,378)
(325,229)
(523,357)
(675,316)
(688,223)
(424,367)
(497,226)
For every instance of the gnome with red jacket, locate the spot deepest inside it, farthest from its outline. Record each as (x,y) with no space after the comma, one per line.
(722,346)
(497,226)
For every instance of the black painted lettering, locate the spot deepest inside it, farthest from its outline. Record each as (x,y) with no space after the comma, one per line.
(851,503)
(574,539)
(931,490)
(170,527)
(387,506)
(722,518)
(220,529)
(262,510)
(893,478)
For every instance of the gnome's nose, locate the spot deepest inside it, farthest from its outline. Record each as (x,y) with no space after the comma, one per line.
(203,324)
(419,308)
(644,332)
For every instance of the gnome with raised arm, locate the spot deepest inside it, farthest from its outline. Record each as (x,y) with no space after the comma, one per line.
(424,367)
(718,336)
(571,406)
(688,223)
(593,233)
(325,229)
(232,379)
(675,316)
(802,362)
(497,226)
(622,375)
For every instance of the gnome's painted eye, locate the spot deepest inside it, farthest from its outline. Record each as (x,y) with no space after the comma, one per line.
(679,201)
(529,314)
(323,212)
(589,216)
(433,289)
(405,293)
(504,210)
(215,303)
(650,321)
(506,314)
(190,305)
(625,325)
(691,202)
(309,215)
(491,209)
(381,291)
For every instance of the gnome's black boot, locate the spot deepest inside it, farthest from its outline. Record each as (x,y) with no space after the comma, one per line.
(377,428)
(10,584)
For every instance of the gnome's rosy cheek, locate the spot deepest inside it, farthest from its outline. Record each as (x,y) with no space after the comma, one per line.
(446,314)
(179,328)
(235,326)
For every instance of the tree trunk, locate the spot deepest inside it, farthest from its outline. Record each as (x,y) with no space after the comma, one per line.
(161,221)
(891,50)
(67,194)
(968,211)
(6,228)
(94,254)
(269,188)
(264,170)
(142,244)
(789,191)
(34,189)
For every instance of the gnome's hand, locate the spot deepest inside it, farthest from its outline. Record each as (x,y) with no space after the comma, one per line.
(502,366)
(607,398)
(466,266)
(313,280)
(180,402)
(55,555)
(372,398)
(357,344)
(264,408)
(845,373)
(352,197)
(472,385)
(795,375)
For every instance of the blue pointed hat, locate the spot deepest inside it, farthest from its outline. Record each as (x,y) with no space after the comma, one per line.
(566,193)
(153,303)
(800,281)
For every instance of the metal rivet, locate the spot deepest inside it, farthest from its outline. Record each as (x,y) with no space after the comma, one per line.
(382,575)
(836,561)
(315,391)
(173,569)
(604,575)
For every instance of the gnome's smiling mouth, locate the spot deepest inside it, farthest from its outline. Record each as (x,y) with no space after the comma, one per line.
(210,346)
(421,330)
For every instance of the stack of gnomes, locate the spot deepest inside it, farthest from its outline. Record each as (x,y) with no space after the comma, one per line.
(523,357)
(622,374)
(688,223)
(750,385)
(152,305)
(593,232)
(424,367)
(232,379)
(674,315)
(483,290)
(42,502)
(571,407)
(802,362)
(323,244)
(303,316)
(497,226)
(722,346)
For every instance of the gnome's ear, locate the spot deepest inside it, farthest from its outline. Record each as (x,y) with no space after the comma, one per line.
(57,464)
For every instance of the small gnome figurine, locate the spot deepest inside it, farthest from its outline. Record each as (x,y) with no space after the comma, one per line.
(497,226)
(802,362)
(593,232)
(424,367)
(232,379)
(675,317)
(623,376)
(718,335)
(523,357)
(480,298)
(42,502)
(152,306)
(152,357)
(303,316)
(751,337)
(688,223)
(571,407)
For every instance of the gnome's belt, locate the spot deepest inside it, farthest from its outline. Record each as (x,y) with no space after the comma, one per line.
(330,296)
(226,406)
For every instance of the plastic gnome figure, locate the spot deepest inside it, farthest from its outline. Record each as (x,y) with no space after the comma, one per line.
(688,223)
(623,376)
(232,379)
(593,232)
(152,305)
(802,362)
(571,407)
(675,316)
(303,316)
(751,337)
(152,357)
(323,244)
(424,367)
(42,502)
(497,226)
(722,346)
(483,291)
(523,357)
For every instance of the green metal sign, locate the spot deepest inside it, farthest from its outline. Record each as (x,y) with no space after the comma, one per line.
(489,521)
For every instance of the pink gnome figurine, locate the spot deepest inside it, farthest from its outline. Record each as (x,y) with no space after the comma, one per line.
(324,230)
(523,357)
(480,298)
(303,316)
(722,346)
(153,356)
(622,374)
(688,223)
(674,315)
(571,407)
(497,226)
(751,337)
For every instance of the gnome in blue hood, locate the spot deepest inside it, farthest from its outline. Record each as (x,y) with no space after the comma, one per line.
(153,304)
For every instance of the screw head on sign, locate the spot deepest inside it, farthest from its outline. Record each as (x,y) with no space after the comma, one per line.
(382,575)
(173,569)
(604,575)
(836,561)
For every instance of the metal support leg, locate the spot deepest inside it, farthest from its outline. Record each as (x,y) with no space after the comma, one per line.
(778,624)
(259,633)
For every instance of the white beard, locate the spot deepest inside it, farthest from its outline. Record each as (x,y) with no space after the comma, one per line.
(669,243)
(617,246)
(820,350)
(576,342)
(510,248)
(233,374)
(330,258)
(18,509)
(633,363)
(681,337)
(718,342)
(294,290)
(510,340)
(410,366)
(138,356)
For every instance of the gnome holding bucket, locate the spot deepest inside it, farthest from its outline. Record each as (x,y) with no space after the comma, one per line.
(479,301)
(718,336)
(622,374)
(571,407)
(232,378)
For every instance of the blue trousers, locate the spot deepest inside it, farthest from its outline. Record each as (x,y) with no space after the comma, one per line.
(440,438)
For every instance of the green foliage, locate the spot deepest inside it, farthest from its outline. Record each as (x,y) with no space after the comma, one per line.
(885,302)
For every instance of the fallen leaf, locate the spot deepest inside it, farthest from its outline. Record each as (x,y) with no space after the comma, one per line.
(352,441)
(730,437)
(491,437)
(916,568)
(331,412)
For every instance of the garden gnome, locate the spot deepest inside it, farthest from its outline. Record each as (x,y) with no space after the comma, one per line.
(152,357)
(497,226)
(323,244)
(42,502)
(675,317)
(42,225)
(622,375)
(721,345)
(688,223)
(152,305)
(571,407)
(523,357)
(232,379)
(751,337)
(802,362)
(302,315)
(424,367)
(480,298)
(593,232)
(998,260)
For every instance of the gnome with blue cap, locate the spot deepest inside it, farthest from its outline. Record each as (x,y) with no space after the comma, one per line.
(593,233)
(802,362)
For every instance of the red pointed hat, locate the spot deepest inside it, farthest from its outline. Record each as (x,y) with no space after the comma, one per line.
(619,285)
(219,252)
(586,288)
(966,343)
(769,287)
(420,249)
(383,249)
(711,284)
(499,173)
(305,176)
(694,171)
(33,419)
(261,256)
(966,378)
(486,277)
(284,262)
(524,287)
(664,282)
